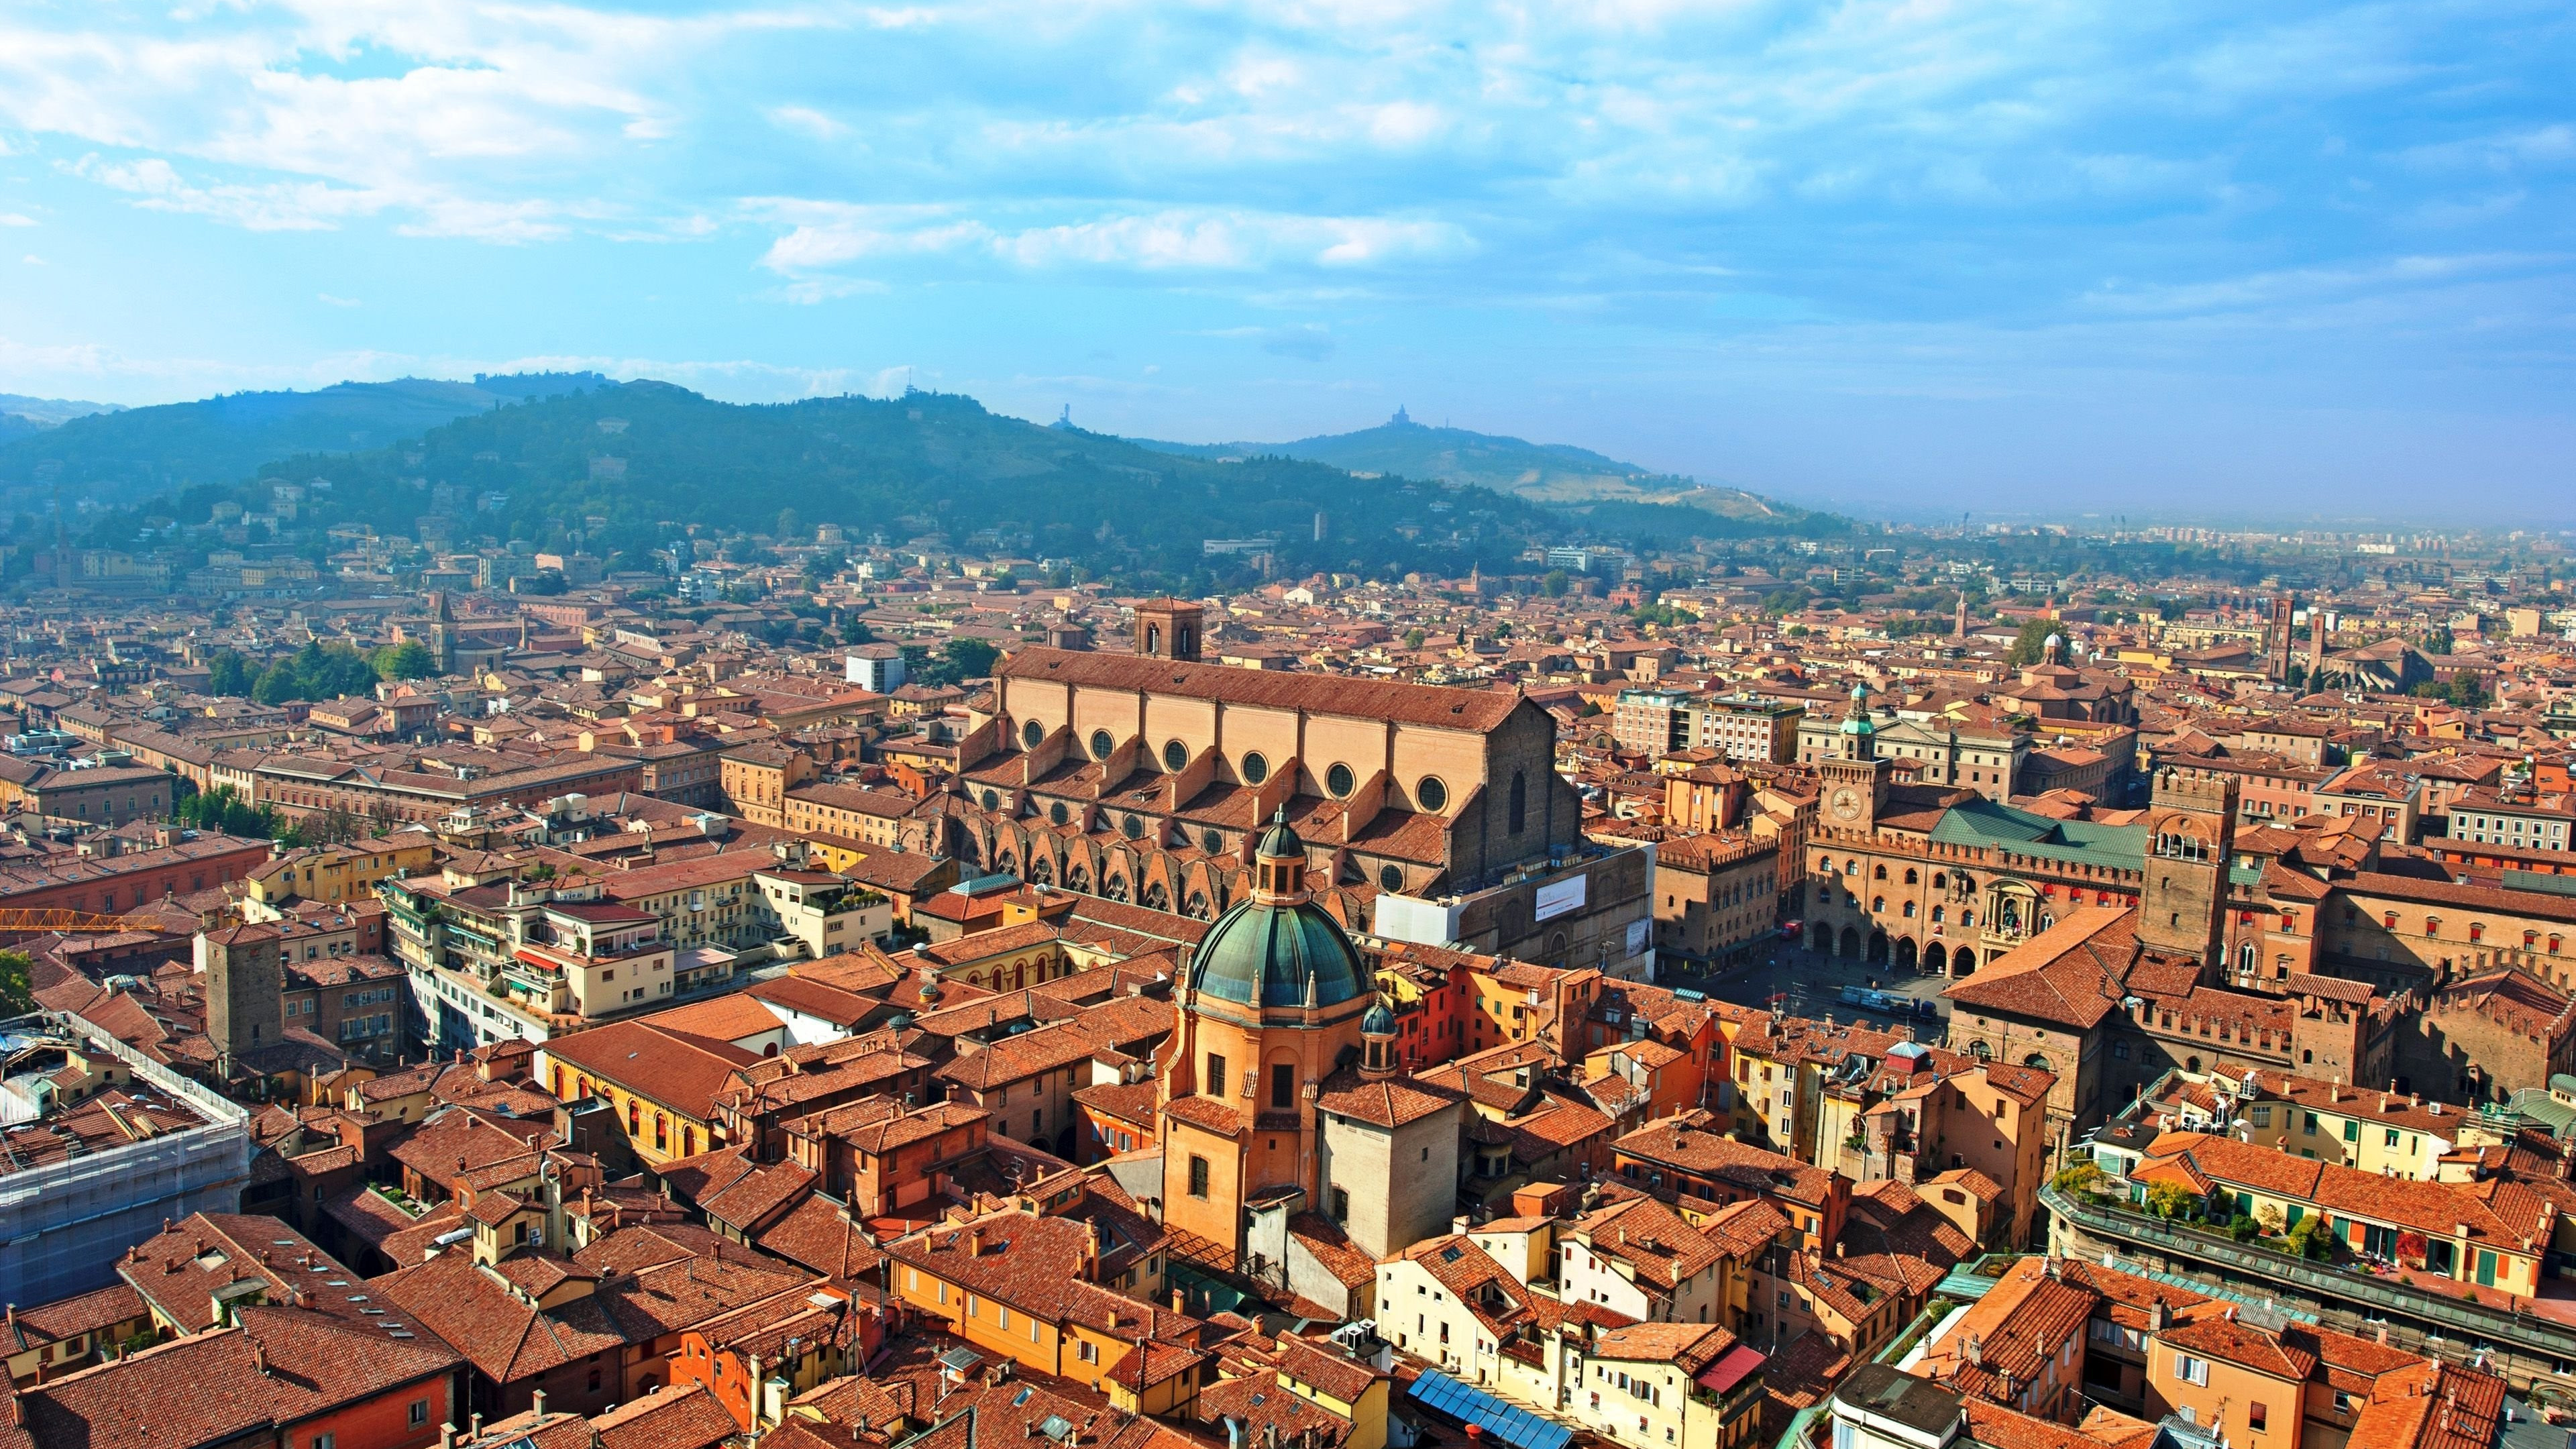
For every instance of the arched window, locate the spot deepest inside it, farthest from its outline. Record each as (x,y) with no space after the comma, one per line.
(1338,780)
(2245,957)
(1176,756)
(1937,913)
(1851,868)
(2432,925)
(1255,768)
(1101,744)
(1910,876)
(1940,881)
(1518,814)
(1909,910)
(1431,793)
(1877,903)
(1033,734)
(1880,873)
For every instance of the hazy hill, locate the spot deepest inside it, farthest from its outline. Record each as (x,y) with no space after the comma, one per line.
(46,412)
(1550,473)
(642,456)
(127,454)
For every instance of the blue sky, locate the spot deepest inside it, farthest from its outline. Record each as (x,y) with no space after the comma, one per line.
(2287,260)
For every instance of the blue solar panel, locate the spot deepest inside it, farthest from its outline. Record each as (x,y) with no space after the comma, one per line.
(1515,1427)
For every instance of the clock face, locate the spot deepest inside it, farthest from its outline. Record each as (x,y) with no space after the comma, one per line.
(1846,803)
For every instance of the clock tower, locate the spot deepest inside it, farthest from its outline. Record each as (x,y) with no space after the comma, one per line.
(1854,777)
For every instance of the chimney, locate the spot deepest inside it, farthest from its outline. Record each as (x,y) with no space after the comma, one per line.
(447,1436)
(537,1403)
(975,1241)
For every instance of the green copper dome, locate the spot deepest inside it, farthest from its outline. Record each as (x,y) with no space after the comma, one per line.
(1264,955)
(1277,947)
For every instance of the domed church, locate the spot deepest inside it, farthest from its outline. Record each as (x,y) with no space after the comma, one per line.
(1279,1093)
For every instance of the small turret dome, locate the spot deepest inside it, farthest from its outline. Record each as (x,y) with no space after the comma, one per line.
(1379,1021)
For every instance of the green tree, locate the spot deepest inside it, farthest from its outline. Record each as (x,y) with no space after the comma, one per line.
(2031,644)
(17,992)
(410,659)
(2170,1200)
(969,658)
(790,525)
(228,674)
(1555,584)
(276,685)
(222,810)
(2082,1177)
(1413,638)
(2309,1237)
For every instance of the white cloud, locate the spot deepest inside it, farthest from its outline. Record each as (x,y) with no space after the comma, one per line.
(327,300)
(823,235)
(12,218)
(806,121)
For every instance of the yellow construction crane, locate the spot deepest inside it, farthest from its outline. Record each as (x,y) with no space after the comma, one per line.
(70,923)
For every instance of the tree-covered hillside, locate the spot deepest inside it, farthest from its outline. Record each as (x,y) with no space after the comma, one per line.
(127,455)
(1555,474)
(647,459)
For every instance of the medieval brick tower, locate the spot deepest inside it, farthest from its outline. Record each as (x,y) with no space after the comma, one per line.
(1168,629)
(245,980)
(2191,831)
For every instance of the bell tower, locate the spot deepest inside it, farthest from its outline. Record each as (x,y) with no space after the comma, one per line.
(442,632)
(1854,778)
(1168,629)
